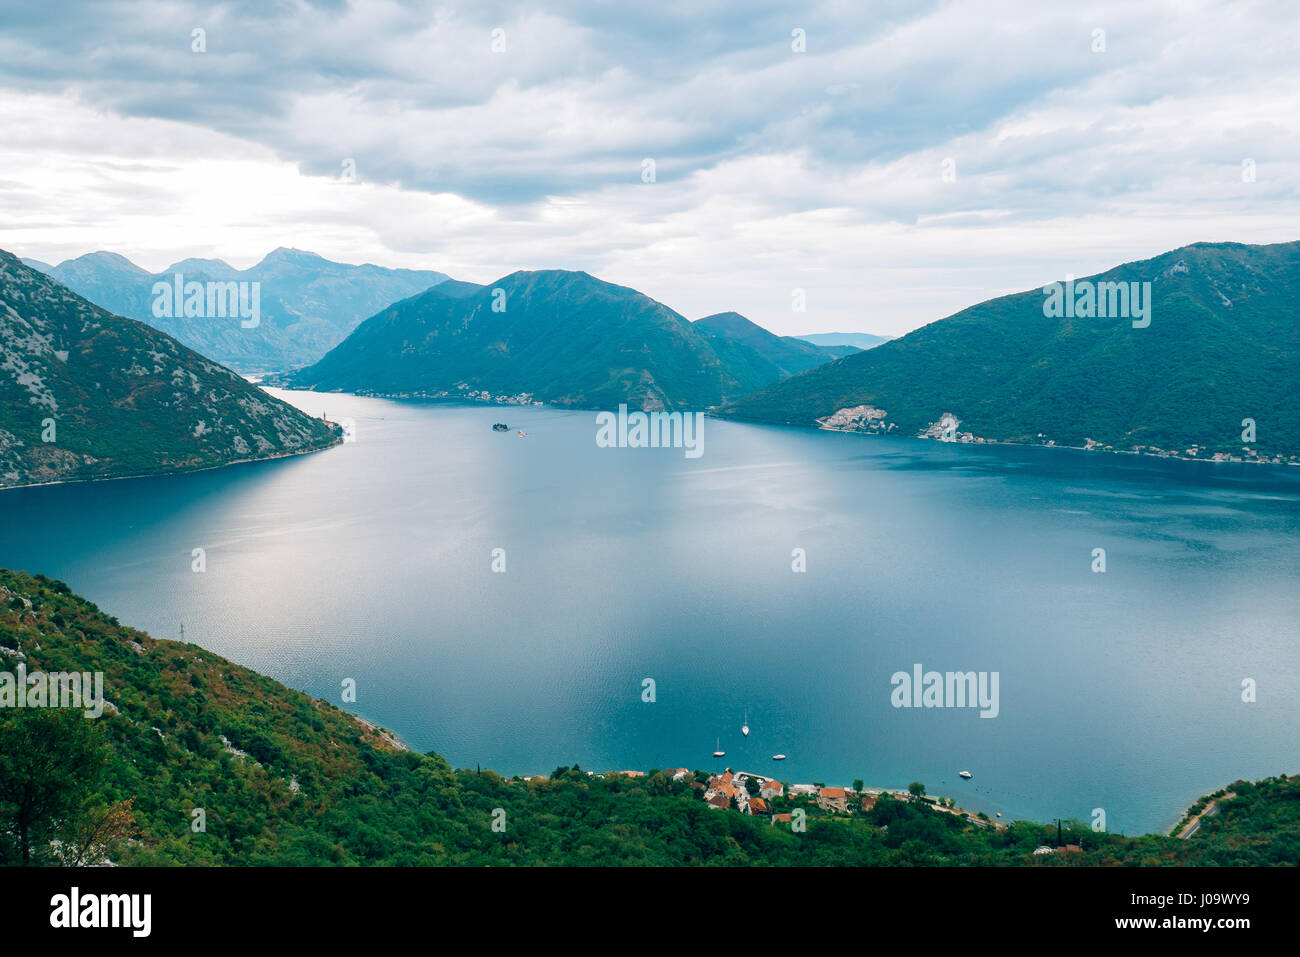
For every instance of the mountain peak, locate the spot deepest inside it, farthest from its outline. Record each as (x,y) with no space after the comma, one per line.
(570,282)
(291,256)
(104,259)
(210,267)
(728,322)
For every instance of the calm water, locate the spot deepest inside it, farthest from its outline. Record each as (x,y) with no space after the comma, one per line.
(372,561)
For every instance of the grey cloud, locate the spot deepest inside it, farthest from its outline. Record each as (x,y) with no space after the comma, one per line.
(688,84)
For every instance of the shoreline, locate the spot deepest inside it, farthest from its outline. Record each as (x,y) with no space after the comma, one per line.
(173,474)
(389,737)
(1212,806)
(711,413)
(1015,445)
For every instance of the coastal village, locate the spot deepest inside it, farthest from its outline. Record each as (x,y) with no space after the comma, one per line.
(462,391)
(746,792)
(872,421)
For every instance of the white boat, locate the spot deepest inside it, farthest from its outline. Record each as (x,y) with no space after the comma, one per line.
(719,753)
(744,728)
(964,774)
(522,432)
(778,757)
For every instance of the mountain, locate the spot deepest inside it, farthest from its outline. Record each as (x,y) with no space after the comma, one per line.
(281,778)
(458,289)
(85,394)
(556,336)
(757,357)
(1220,347)
(306,304)
(858,340)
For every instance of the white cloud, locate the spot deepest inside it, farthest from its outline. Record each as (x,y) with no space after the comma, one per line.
(775,170)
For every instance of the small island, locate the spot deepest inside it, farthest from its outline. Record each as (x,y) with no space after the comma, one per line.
(500,427)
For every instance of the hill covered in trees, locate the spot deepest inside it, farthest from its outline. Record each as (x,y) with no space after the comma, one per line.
(561,337)
(1218,344)
(275,777)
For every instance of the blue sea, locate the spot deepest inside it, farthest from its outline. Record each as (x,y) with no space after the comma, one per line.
(522,602)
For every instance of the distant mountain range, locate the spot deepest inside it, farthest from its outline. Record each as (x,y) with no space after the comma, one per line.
(1219,345)
(560,337)
(1214,358)
(307,304)
(859,340)
(86,394)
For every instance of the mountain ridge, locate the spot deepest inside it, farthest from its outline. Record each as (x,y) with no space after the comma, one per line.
(307,303)
(559,336)
(1220,351)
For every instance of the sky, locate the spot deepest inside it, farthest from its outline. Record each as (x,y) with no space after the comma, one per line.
(885,164)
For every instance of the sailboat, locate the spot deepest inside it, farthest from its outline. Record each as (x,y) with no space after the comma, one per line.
(719,753)
(744,728)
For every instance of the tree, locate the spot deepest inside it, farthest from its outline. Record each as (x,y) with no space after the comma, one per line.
(858,785)
(916,789)
(51,762)
(92,835)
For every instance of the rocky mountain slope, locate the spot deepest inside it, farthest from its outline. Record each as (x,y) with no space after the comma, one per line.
(85,394)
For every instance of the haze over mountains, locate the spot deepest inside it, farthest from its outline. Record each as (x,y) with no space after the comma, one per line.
(859,340)
(561,337)
(308,304)
(1221,348)
(86,394)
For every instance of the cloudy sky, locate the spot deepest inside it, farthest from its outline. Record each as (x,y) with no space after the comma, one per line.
(897,161)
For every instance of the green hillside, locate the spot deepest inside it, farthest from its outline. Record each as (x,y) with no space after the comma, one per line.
(757,357)
(555,336)
(281,778)
(85,394)
(1223,345)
